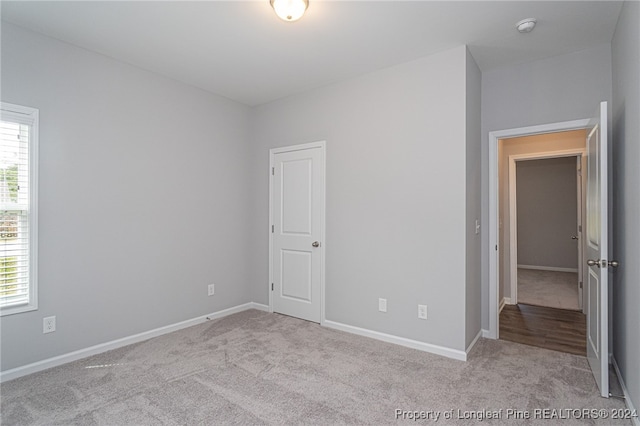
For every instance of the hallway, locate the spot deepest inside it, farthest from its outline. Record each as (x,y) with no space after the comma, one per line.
(548,288)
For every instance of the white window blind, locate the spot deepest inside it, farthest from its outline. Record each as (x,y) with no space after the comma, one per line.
(18,220)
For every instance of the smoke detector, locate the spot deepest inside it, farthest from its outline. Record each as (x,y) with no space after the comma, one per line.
(526,25)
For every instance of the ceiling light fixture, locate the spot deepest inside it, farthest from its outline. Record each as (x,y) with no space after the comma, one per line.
(526,25)
(289,10)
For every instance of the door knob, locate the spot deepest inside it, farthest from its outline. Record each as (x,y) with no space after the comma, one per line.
(613,263)
(574,237)
(592,262)
(315,244)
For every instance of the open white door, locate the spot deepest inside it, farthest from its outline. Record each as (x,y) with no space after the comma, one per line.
(578,235)
(597,250)
(297,205)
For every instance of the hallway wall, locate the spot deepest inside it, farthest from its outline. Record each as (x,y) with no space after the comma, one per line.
(547,213)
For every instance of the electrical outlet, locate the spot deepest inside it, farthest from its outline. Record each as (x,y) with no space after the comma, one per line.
(382,305)
(210,290)
(48,325)
(422,311)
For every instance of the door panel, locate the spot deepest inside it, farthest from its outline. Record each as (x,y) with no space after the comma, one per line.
(296,282)
(597,250)
(296,196)
(593,286)
(297,200)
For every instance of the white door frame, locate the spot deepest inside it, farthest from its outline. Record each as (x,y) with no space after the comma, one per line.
(513,210)
(322,248)
(494,137)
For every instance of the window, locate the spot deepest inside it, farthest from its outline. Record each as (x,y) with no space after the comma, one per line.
(18,208)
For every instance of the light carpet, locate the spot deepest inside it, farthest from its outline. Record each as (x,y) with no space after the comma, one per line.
(260,368)
(548,288)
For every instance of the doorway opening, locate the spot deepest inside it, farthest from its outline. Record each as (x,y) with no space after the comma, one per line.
(540,214)
(496,253)
(541,211)
(595,244)
(545,222)
(297,224)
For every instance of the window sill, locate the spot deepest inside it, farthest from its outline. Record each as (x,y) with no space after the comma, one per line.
(17,309)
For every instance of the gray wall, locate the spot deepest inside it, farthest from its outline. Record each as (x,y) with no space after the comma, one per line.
(626,195)
(561,88)
(473,309)
(143,198)
(547,212)
(395,199)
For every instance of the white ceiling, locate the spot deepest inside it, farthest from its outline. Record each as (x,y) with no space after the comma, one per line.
(241,50)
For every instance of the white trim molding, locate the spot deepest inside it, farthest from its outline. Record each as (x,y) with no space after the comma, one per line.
(259,306)
(547,268)
(504,301)
(24,370)
(494,265)
(402,341)
(472,344)
(627,398)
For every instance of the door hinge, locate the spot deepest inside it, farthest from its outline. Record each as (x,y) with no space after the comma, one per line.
(271,286)
(272,229)
(273,171)
(579,228)
(496,247)
(580,284)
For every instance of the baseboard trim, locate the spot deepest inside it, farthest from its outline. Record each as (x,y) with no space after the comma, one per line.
(402,341)
(504,301)
(486,334)
(627,398)
(473,342)
(548,268)
(259,306)
(24,370)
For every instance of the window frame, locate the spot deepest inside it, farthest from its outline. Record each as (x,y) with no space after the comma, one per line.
(28,116)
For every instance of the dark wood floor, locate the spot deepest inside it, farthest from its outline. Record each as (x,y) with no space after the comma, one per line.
(550,328)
